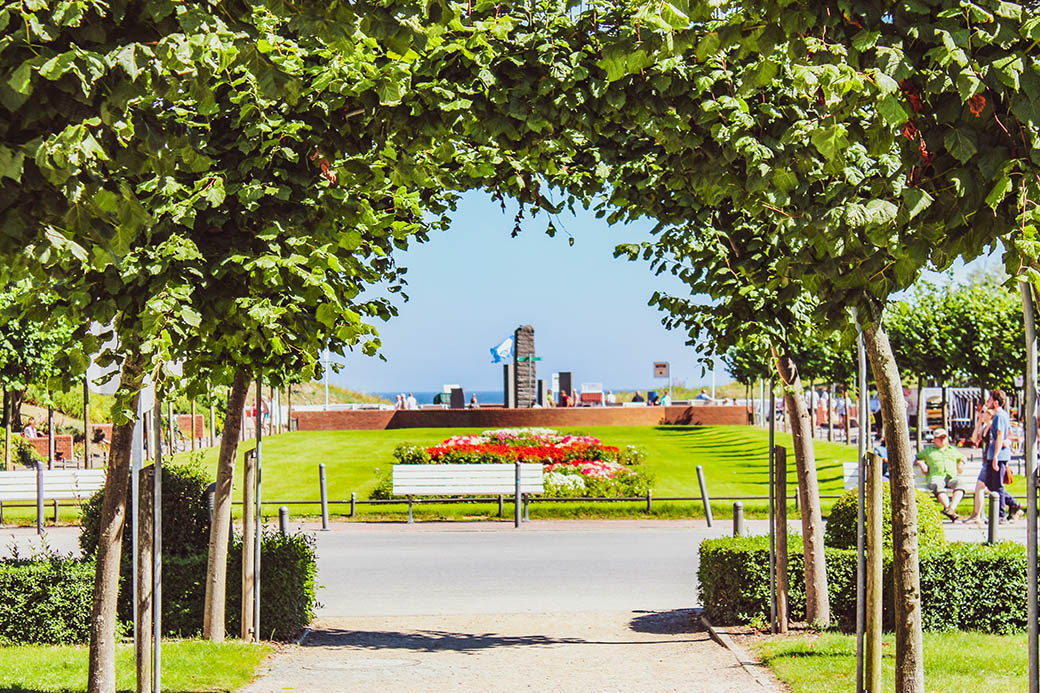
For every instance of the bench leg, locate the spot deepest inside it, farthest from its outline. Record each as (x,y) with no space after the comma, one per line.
(410,518)
(55,511)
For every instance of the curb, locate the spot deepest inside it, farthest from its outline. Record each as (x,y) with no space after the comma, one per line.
(743,658)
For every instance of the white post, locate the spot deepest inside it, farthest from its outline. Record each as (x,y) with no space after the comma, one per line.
(1029,417)
(257,532)
(136,459)
(157,549)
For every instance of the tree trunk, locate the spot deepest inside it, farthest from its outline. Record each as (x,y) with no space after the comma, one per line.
(101,676)
(16,409)
(905,566)
(817,601)
(216,566)
(922,413)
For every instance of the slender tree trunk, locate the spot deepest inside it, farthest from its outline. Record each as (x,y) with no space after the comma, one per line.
(101,676)
(216,566)
(922,413)
(817,601)
(16,409)
(905,567)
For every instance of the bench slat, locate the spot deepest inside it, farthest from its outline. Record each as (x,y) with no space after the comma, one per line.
(465,479)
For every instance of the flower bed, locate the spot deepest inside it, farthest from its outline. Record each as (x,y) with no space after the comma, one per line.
(575,465)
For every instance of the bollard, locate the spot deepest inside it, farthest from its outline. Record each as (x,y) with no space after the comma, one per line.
(410,518)
(738,519)
(994,517)
(649,500)
(501,504)
(353,503)
(324,488)
(283,520)
(516,499)
(704,494)
(527,505)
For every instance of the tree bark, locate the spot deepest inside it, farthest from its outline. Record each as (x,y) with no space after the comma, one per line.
(922,413)
(905,566)
(817,601)
(101,675)
(216,565)
(15,405)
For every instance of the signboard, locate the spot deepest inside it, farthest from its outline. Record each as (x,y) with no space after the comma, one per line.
(660,369)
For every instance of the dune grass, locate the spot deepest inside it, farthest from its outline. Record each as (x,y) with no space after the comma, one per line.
(734,458)
(954,662)
(188,665)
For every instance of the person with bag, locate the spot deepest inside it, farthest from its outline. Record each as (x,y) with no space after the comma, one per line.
(997,455)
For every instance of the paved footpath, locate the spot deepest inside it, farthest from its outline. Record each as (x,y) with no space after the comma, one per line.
(554,606)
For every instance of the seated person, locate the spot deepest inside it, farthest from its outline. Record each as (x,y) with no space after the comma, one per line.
(30,429)
(638,397)
(942,463)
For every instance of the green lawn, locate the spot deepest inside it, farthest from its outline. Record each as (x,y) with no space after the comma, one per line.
(954,662)
(188,665)
(734,458)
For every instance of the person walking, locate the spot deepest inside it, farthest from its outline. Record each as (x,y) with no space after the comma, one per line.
(997,455)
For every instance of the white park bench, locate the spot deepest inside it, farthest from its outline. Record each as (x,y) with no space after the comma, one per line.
(967,478)
(57,485)
(465,480)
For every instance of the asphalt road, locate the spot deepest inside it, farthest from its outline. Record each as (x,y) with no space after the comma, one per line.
(475,568)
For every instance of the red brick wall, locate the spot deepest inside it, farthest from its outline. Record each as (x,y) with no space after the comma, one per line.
(62,444)
(500,418)
(184,423)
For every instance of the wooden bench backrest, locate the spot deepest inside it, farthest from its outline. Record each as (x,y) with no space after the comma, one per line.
(60,484)
(464,479)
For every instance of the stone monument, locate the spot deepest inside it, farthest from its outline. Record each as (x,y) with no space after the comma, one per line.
(525,376)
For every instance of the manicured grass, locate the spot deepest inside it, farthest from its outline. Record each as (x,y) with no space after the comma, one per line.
(954,662)
(734,458)
(188,665)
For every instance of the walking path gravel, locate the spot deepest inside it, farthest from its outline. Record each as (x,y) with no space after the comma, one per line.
(624,651)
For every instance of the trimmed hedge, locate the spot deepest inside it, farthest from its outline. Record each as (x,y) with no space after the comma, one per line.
(287,568)
(841,523)
(964,586)
(46,600)
(287,601)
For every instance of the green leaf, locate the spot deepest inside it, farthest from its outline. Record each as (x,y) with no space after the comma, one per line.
(999,192)
(11,161)
(916,200)
(830,141)
(56,67)
(21,78)
(891,109)
(960,144)
(673,16)
(190,316)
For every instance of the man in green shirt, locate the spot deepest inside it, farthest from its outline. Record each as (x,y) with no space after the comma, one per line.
(941,463)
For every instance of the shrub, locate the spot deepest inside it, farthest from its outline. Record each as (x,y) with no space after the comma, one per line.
(183,498)
(841,524)
(287,600)
(964,586)
(22,453)
(46,600)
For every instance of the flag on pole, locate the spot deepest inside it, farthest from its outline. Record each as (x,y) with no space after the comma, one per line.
(502,352)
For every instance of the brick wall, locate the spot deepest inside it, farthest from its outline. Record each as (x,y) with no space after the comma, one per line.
(491,417)
(62,444)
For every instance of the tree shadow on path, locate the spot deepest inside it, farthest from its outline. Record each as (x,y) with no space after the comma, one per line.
(671,622)
(427,640)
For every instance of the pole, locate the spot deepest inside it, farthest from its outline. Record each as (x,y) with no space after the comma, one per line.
(136,458)
(173,437)
(7,430)
(248,529)
(86,422)
(288,407)
(861,558)
(772,511)
(212,424)
(283,520)
(157,573)
(324,497)
(704,495)
(39,497)
(780,494)
(994,517)
(516,498)
(874,577)
(257,533)
(50,434)
(143,605)
(738,519)
(1029,417)
(194,431)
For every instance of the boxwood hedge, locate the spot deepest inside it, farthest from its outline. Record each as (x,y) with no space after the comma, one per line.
(964,586)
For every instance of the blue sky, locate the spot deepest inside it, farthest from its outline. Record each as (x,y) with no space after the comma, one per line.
(470,287)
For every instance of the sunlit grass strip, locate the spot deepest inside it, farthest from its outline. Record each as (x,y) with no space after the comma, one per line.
(953,662)
(188,665)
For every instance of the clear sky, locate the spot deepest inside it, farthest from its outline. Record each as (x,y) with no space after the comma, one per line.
(471,286)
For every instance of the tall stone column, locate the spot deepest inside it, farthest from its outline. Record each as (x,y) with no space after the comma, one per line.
(524,367)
